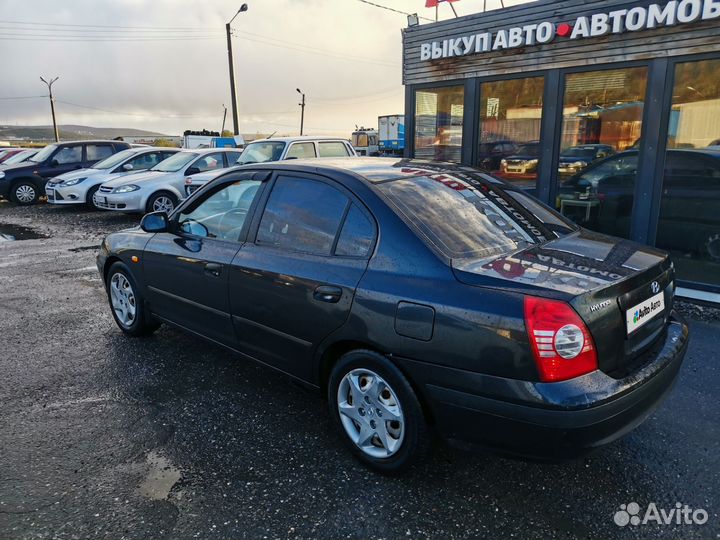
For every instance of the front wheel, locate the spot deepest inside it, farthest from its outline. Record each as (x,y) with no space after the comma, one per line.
(126,302)
(90,198)
(24,193)
(162,201)
(377,412)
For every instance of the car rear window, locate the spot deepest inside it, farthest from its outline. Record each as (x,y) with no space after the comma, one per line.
(464,218)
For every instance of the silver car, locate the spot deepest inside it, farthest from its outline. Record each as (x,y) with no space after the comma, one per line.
(160,188)
(79,187)
(279,148)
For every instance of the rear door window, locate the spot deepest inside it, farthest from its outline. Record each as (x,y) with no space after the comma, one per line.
(96,152)
(357,235)
(302,215)
(301,150)
(332,149)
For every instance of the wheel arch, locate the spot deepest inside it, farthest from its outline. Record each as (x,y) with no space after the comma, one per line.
(330,355)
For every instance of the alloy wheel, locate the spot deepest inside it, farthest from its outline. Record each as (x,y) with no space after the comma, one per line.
(122,298)
(370,413)
(163,203)
(25,193)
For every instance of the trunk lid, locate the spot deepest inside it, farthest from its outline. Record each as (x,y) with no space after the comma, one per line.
(603,278)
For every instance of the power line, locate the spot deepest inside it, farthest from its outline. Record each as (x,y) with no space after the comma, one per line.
(111,39)
(392,9)
(159,28)
(22,97)
(313,50)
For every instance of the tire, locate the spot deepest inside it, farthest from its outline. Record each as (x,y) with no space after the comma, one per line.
(387,400)
(712,247)
(126,302)
(24,193)
(161,201)
(89,198)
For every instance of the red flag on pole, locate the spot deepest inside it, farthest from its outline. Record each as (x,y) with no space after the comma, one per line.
(434,3)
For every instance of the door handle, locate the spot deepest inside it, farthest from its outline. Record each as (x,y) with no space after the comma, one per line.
(213,269)
(327,293)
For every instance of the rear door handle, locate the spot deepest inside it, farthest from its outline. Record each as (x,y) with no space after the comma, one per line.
(328,293)
(213,269)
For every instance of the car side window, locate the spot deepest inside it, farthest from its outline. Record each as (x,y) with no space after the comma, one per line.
(145,161)
(357,235)
(68,154)
(222,214)
(232,158)
(332,149)
(301,150)
(209,162)
(96,152)
(302,215)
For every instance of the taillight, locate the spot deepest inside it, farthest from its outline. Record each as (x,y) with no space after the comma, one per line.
(560,340)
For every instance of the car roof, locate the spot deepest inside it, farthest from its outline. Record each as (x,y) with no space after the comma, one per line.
(299,138)
(91,141)
(373,170)
(208,150)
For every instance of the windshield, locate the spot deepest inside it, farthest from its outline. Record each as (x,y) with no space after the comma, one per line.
(115,159)
(175,162)
(260,152)
(19,157)
(43,154)
(464,217)
(528,150)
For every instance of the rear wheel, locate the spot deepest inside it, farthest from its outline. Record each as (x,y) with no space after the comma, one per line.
(162,201)
(377,412)
(24,193)
(127,304)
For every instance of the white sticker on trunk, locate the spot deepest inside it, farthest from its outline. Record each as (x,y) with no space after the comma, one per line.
(640,314)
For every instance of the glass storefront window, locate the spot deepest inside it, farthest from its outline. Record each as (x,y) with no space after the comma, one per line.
(597,167)
(439,123)
(510,119)
(689,225)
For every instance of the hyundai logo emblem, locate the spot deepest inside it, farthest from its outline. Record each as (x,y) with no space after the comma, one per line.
(655,287)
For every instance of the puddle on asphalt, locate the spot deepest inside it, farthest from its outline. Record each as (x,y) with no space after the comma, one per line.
(17,232)
(161,477)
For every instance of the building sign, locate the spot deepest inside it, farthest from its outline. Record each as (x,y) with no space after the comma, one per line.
(600,24)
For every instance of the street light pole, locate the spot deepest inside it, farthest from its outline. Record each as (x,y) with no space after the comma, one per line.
(302,110)
(233,96)
(52,106)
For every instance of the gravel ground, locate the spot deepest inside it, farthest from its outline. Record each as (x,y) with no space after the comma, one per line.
(102,436)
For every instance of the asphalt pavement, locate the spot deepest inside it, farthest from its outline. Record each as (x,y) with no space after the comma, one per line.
(102,436)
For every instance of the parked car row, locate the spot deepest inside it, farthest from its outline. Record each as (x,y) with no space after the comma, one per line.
(112,175)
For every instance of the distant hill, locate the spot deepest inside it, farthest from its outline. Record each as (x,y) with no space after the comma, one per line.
(71,132)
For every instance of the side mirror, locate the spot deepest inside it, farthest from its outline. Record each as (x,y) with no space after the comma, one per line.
(54,163)
(155,222)
(128,167)
(192,170)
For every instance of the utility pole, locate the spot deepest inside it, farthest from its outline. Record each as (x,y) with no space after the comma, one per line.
(233,96)
(302,110)
(52,106)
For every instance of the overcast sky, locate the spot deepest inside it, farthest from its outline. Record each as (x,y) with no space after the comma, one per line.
(161,65)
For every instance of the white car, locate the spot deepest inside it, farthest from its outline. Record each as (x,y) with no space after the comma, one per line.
(160,188)
(277,149)
(79,187)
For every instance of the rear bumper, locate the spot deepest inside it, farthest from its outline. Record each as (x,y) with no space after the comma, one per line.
(557,420)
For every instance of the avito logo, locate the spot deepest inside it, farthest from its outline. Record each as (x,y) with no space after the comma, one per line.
(643,312)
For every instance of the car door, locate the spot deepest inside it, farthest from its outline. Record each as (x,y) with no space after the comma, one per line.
(187,269)
(295,282)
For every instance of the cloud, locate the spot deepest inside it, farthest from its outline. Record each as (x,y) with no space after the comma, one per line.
(167,70)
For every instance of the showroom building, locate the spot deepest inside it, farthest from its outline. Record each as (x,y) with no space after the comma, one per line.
(608,110)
